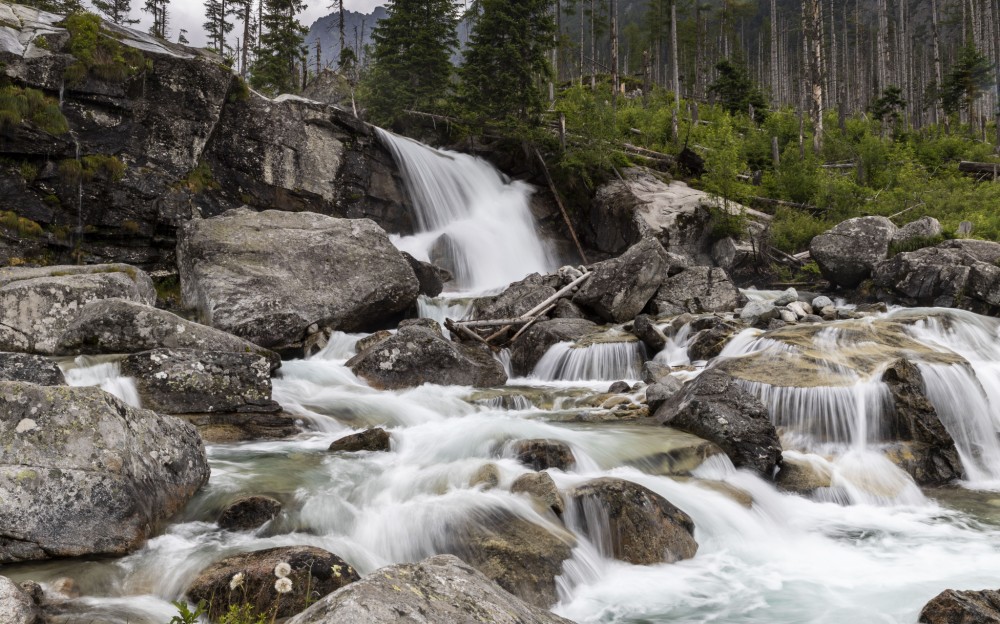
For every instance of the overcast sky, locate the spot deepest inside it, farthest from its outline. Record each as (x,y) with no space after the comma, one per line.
(190,15)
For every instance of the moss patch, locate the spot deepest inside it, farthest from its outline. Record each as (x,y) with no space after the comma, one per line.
(98,54)
(19,106)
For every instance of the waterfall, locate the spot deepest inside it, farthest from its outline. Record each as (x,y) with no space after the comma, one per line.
(601,361)
(90,371)
(470,219)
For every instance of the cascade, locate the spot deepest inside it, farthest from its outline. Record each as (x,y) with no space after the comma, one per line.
(470,219)
(601,361)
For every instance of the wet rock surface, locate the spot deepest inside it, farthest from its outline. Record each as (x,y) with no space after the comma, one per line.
(697,290)
(632,523)
(370,440)
(541,488)
(442,589)
(30,368)
(248,513)
(313,572)
(85,474)
(541,336)
(962,607)
(713,406)
(275,277)
(417,354)
(544,454)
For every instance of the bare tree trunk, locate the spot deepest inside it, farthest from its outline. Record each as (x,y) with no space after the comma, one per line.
(937,60)
(583,29)
(833,56)
(593,49)
(814,28)
(614,54)
(676,70)
(775,79)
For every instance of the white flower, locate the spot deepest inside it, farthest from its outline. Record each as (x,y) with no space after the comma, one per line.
(283,585)
(236,582)
(282,570)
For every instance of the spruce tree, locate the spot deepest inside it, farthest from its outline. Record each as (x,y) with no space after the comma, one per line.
(158,9)
(736,91)
(969,77)
(412,58)
(218,24)
(280,48)
(116,11)
(506,60)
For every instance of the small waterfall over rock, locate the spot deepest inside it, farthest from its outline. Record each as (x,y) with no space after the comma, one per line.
(90,371)
(471,220)
(600,361)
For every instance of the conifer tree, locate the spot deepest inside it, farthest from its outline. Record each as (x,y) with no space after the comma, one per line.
(969,77)
(116,11)
(412,58)
(158,9)
(182,37)
(736,91)
(218,24)
(244,10)
(281,49)
(507,59)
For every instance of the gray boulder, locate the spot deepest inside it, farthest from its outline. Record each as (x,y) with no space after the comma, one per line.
(620,288)
(697,290)
(534,343)
(786,297)
(37,305)
(16,606)
(949,275)
(923,228)
(662,391)
(714,407)
(541,488)
(376,439)
(517,298)
(758,313)
(542,454)
(417,354)
(733,255)
(276,277)
(248,513)
(122,326)
(85,474)
(632,523)
(30,368)
(821,302)
(653,371)
(441,589)
(848,253)
(314,572)
(187,381)
(430,277)
(962,607)
(713,335)
(646,330)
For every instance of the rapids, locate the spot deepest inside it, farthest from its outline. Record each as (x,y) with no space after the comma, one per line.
(874,548)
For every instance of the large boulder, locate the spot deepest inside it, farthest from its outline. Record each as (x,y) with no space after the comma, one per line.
(848,253)
(632,523)
(83,473)
(275,277)
(962,607)
(620,288)
(516,299)
(534,343)
(417,354)
(697,290)
(122,326)
(37,305)
(954,274)
(921,230)
(522,557)
(31,368)
(713,406)
(931,458)
(187,381)
(430,277)
(441,589)
(313,572)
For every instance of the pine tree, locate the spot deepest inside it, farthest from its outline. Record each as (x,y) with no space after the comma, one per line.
(218,24)
(182,37)
(158,9)
(281,49)
(969,77)
(116,11)
(736,91)
(244,9)
(412,58)
(507,59)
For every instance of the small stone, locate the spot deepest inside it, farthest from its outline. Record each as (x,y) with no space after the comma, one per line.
(787,316)
(821,302)
(801,309)
(541,488)
(25,425)
(619,387)
(487,475)
(248,513)
(786,297)
(376,439)
(543,454)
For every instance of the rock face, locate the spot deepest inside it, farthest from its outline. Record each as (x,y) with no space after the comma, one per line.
(620,288)
(417,354)
(84,474)
(714,407)
(533,344)
(521,556)
(697,290)
(186,381)
(314,572)
(185,138)
(248,513)
(932,458)
(37,305)
(276,277)
(16,607)
(954,274)
(30,368)
(848,253)
(121,326)
(441,589)
(962,607)
(632,523)
(371,440)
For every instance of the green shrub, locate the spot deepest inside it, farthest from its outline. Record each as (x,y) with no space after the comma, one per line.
(914,244)
(19,105)
(792,229)
(97,53)
(25,227)
(201,178)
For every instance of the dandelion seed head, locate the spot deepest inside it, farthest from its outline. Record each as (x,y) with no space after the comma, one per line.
(236,582)
(283,585)
(282,570)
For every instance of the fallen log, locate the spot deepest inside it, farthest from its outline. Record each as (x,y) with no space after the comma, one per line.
(981,169)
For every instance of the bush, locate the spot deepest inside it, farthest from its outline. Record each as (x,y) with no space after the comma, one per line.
(19,105)
(792,229)
(27,228)
(98,53)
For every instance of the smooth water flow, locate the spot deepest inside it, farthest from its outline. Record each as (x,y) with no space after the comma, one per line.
(470,218)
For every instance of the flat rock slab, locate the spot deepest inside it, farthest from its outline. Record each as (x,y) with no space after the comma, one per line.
(441,589)
(30,368)
(276,277)
(82,473)
(37,305)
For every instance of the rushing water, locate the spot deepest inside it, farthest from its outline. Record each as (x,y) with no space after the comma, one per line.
(873,549)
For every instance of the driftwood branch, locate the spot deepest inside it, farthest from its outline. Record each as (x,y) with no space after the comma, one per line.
(531,322)
(562,208)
